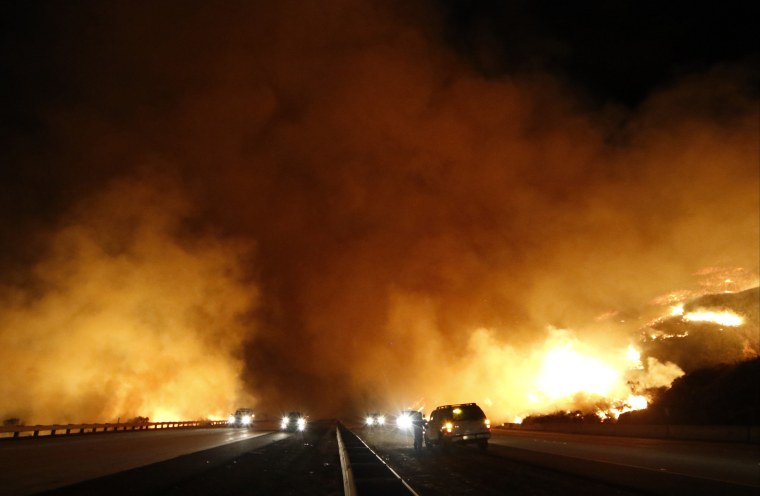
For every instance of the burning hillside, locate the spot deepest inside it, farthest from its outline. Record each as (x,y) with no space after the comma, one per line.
(722,394)
(710,330)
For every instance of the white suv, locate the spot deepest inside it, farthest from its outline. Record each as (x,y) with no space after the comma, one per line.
(464,423)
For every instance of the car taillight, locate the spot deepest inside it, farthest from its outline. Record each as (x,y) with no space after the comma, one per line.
(449,427)
(488,423)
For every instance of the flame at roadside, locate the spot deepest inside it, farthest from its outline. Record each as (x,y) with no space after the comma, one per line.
(129,317)
(561,374)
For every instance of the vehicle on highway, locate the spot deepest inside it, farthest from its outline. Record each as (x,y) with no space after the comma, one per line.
(463,423)
(293,421)
(405,420)
(375,419)
(414,422)
(243,417)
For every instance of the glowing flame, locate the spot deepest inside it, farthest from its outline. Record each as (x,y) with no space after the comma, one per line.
(725,318)
(662,335)
(634,356)
(165,415)
(632,403)
(566,372)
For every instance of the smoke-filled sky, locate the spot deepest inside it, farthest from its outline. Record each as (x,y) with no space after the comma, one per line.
(359,205)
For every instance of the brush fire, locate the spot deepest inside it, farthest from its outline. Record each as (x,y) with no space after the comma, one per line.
(285,204)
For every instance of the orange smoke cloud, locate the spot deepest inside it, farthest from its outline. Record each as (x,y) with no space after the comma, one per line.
(418,226)
(128,317)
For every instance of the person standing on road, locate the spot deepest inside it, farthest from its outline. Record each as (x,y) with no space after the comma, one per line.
(418,424)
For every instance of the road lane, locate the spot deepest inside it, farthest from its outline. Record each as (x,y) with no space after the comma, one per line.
(467,470)
(277,463)
(302,463)
(550,463)
(728,462)
(32,465)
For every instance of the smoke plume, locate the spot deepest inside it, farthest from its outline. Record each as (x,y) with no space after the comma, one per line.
(128,316)
(423,234)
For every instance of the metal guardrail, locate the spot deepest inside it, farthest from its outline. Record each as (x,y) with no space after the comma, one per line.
(18,431)
(364,472)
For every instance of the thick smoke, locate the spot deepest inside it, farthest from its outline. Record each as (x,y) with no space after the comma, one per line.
(422,233)
(128,316)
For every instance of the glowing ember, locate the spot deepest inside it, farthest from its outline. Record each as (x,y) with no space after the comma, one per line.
(725,318)
(663,335)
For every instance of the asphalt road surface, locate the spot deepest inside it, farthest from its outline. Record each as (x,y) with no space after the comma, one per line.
(32,465)
(553,463)
(226,461)
(726,462)
(266,462)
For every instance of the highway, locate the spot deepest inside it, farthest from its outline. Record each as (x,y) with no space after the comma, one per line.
(726,462)
(34,465)
(265,461)
(547,463)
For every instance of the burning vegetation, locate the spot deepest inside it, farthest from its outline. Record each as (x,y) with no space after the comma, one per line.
(714,341)
(707,331)
(279,204)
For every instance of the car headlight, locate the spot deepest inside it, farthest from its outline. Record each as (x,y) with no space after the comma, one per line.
(231,419)
(404,422)
(246,420)
(301,424)
(370,421)
(381,420)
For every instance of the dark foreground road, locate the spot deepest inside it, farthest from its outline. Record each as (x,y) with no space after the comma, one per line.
(269,462)
(275,463)
(467,470)
(552,463)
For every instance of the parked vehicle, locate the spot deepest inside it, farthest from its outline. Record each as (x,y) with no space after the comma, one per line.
(464,424)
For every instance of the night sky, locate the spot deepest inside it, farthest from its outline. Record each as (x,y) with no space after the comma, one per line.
(354,205)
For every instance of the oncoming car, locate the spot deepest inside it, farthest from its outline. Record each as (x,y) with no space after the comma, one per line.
(243,417)
(408,418)
(464,423)
(293,421)
(375,419)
